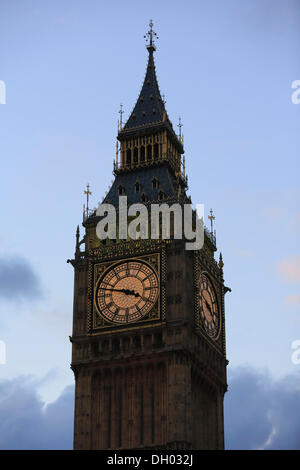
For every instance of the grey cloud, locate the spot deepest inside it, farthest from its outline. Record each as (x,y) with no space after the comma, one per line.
(260,412)
(18,280)
(26,424)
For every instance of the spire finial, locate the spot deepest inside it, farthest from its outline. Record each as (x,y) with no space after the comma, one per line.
(150,34)
(211,218)
(77,237)
(88,193)
(180,126)
(121,112)
(221,264)
(77,249)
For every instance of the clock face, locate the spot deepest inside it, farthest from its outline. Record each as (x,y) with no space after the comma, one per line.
(209,312)
(127,292)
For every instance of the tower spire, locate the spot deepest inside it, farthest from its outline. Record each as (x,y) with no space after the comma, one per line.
(149,117)
(149,109)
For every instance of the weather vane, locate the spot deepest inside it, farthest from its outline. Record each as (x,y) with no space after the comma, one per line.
(151,34)
(211,218)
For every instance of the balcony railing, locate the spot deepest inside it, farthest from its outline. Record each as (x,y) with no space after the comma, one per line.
(151,162)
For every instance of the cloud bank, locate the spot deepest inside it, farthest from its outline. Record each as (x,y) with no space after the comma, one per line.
(25,423)
(260,413)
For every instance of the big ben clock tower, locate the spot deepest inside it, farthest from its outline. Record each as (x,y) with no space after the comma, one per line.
(148,341)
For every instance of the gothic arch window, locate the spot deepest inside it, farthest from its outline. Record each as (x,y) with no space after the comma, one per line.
(126,344)
(154,183)
(128,157)
(158,341)
(137,342)
(161,195)
(142,153)
(144,198)
(95,348)
(116,345)
(135,155)
(147,341)
(155,151)
(149,152)
(137,187)
(121,190)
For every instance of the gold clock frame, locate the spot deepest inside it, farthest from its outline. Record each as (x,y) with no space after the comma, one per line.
(98,324)
(206,274)
(198,271)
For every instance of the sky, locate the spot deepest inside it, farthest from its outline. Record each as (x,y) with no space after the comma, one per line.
(227,69)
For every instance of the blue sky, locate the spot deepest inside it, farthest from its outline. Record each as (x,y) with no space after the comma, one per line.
(226,68)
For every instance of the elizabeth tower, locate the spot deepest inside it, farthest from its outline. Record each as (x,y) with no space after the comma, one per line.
(148,341)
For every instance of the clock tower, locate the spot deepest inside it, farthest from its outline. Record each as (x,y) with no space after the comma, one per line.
(148,340)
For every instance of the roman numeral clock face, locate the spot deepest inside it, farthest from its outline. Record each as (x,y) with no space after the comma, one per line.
(209,312)
(126,292)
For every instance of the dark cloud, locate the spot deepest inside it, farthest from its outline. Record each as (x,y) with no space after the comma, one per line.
(25,423)
(261,412)
(18,281)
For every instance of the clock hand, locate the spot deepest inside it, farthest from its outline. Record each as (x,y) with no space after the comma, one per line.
(114,290)
(136,294)
(207,304)
(130,292)
(124,291)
